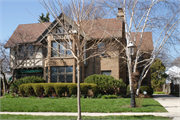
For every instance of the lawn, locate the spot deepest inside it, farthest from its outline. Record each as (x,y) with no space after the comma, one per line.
(146,117)
(70,105)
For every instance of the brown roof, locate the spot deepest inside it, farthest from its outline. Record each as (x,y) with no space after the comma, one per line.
(26,33)
(147,43)
(103,28)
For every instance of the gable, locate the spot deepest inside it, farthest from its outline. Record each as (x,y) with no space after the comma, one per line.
(26,33)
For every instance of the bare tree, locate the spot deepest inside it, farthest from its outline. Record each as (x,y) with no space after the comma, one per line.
(21,49)
(82,32)
(4,63)
(161,17)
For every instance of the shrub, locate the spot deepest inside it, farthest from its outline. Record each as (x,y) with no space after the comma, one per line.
(112,96)
(49,88)
(104,97)
(109,97)
(38,89)
(73,96)
(148,89)
(94,88)
(28,79)
(99,96)
(106,84)
(72,88)
(60,88)
(21,89)
(6,95)
(28,89)
(84,88)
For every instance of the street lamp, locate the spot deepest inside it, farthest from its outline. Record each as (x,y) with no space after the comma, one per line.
(131,52)
(131,48)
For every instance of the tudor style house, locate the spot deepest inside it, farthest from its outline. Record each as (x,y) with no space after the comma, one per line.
(32,52)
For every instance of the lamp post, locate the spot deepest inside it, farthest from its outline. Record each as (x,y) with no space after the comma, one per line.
(131,52)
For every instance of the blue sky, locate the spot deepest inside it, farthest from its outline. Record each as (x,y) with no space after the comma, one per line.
(15,12)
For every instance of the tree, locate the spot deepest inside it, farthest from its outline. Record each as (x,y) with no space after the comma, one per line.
(142,16)
(78,21)
(176,62)
(4,63)
(158,75)
(20,51)
(43,19)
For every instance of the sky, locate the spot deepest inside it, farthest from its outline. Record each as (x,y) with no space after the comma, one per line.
(15,12)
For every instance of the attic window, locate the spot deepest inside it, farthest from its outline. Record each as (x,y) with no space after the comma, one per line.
(60,29)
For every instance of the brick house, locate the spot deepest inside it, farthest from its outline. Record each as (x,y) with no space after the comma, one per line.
(41,60)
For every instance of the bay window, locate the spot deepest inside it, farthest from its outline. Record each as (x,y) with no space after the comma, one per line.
(60,48)
(62,74)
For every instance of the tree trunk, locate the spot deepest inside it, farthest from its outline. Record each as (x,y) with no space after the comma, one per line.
(129,64)
(78,92)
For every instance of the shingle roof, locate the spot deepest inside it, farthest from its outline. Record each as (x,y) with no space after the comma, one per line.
(103,28)
(113,27)
(147,43)
(26,33)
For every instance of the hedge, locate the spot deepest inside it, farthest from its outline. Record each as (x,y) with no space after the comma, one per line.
(60,88)
(38,89)
(48,89)
(106,84)
(28,79)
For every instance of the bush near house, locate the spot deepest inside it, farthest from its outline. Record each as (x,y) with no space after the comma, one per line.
(28,79)
(148,89)
(106,84)
(48,89)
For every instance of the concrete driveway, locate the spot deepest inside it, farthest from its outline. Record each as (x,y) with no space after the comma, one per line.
(170,103)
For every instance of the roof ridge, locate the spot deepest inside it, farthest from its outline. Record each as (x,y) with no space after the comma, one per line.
(35,23)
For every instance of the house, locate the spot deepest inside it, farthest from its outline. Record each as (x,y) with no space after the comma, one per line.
(32,51)
(173,73)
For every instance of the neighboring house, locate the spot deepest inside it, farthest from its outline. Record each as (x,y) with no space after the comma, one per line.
(42,60)
(173,75)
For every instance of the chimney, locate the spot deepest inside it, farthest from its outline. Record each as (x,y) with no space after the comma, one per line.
(120,14)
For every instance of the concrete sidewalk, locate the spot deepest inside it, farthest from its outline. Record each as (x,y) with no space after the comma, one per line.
(171,104)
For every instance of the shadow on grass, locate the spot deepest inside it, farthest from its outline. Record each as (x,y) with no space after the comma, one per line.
(151,105)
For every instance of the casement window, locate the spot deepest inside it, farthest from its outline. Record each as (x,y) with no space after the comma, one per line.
(25,51)
(30,50)
(101,47)
(63,74)
(60,49)
(106,72)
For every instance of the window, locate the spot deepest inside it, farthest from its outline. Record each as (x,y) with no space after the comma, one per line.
(21,51)
(59,29)
(101,47)
(106,72)
(63,74)
(25,51)
(60,49)
(30,50)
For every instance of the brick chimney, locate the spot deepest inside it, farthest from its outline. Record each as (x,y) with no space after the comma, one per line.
(120,14)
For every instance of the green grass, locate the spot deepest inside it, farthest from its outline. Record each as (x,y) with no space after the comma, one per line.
(158,92)
(145,117)
(70,105)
